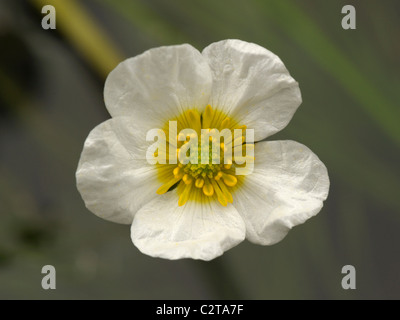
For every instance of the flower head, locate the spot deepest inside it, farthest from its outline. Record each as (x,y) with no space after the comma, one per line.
(182,159)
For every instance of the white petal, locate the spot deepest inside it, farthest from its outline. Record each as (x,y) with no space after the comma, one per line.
(287,187)
(158,84)
(196,230)
(113,176)
(253,85)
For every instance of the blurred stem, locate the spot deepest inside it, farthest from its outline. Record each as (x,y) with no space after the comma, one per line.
(220,277)
(147,21)
(317,44)
(84,34)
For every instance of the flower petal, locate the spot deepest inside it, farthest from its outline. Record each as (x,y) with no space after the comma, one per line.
(287,187)
(113,176)
(253,85)
(196,230)
(158,85)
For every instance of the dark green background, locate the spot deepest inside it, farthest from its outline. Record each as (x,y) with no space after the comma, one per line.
(51,97)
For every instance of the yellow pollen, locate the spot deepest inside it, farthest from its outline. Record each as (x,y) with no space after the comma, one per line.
(208,189)
(219,175)
(178,172)
(228,165)
(229,179)
(199,183)
(187,179)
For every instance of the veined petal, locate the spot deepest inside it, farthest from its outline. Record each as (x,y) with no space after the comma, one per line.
(196,230)
(287,187)
(113,176)
(252,84)
(158,85)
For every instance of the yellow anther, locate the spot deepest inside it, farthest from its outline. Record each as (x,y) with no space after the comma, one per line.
(187,179)
(229,179)
(208,189)
(213,179)
(218,175)
(178,172)
(199,183)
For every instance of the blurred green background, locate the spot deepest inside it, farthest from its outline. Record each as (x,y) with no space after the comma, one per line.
(51,84)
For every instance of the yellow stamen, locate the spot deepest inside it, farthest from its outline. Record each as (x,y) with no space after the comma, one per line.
(225,191)
(207,117)
(229,179)
(218,175)
(178,172)
(227,166)
(225,123)
(199,183)
(221,198)
(215,179)
(187,179)
(208,189)
(194,120)
(165,187)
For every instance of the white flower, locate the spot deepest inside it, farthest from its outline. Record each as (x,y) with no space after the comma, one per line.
(231,84)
